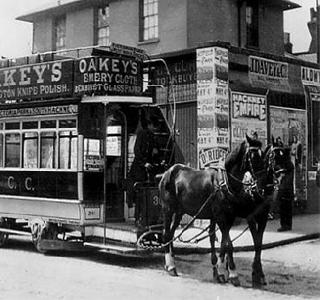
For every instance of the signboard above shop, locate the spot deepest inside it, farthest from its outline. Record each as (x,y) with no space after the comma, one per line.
(268,73)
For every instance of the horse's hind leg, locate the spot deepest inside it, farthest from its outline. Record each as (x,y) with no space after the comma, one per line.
(171,222)
(214,259)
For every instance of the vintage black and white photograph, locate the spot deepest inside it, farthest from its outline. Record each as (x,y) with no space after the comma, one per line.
(159,149)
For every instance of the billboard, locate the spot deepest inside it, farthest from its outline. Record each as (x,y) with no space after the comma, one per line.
(212,106)
(43,80)
(108,76)
(248,115)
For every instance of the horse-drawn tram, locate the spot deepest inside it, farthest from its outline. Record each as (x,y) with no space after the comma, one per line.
(68,124)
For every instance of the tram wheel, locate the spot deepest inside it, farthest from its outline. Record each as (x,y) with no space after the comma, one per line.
(43,230)
(3,238)
(3,235)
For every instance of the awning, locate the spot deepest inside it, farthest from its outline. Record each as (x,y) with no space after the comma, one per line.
(284,4)
(117,99)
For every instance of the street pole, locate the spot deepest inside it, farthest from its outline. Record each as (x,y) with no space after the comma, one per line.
(318,32)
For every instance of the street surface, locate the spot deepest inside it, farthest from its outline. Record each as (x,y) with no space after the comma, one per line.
(26,274)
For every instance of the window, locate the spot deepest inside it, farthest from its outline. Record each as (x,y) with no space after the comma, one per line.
(12,150)
(48,144)
(149,28)
(103,29)
(60,33)
(252,23)
(48,150)
(30,150)
(67,150)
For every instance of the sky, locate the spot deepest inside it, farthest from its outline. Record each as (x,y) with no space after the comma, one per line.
(16,36)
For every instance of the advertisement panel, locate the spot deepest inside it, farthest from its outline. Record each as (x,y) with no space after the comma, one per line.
(108,76)
(290,124)
(212,106)
(44,80)
(248,115)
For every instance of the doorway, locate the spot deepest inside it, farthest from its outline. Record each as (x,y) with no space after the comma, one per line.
(116,156)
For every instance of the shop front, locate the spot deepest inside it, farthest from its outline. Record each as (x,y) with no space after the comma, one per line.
(310,77)
(234,92)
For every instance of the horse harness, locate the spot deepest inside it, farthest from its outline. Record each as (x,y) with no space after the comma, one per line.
(151,239)
(271,166)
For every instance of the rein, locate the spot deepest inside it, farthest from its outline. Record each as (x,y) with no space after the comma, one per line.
(140,239)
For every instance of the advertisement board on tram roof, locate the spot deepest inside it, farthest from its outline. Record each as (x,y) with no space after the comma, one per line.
(94,75)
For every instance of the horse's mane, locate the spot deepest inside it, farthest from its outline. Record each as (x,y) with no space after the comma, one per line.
(235,156)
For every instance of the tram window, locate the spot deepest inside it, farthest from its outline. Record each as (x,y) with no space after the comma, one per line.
(1,150)
(67,124)
(30,125)
(92,147)
(12,126)
(67,150)
(48,124)
(12,150)
(1,126)
(30,150)
(47,155)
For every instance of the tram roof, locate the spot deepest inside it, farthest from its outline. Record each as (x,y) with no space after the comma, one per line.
(117,99)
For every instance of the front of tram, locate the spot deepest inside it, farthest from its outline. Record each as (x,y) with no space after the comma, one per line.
(113,111)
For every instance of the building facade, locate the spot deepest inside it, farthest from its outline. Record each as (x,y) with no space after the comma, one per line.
(252,85)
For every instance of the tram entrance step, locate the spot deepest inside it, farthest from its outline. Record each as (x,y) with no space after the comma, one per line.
(45,245)
(126,233)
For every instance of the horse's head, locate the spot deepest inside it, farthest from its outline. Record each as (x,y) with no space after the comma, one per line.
(253,159)
(276,161)
(246,165)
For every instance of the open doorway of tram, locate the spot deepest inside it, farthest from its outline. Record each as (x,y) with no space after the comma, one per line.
(122,123)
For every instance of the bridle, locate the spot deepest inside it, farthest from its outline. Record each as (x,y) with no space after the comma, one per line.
(252,185)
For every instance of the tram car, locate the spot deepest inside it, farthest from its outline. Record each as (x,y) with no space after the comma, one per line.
(67,131)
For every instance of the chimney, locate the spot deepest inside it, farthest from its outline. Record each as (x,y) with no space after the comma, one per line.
(312,25)
(287,43)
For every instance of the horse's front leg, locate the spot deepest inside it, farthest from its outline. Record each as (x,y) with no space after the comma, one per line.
(231,266)
(220,266)
(257,230)
(171,222)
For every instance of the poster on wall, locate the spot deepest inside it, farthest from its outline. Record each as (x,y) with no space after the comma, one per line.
(248,115)
(312,76)
(290,126)
(212,106)
(315,137)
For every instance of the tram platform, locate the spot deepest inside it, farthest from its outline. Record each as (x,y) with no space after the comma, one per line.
(306,226)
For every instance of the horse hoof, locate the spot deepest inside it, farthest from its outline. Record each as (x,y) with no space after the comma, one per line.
(258,284)
(171,271)
(221,279)
(235,281)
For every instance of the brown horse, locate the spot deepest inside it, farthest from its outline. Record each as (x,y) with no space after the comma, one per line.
(221,195)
